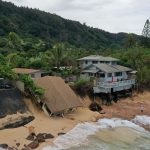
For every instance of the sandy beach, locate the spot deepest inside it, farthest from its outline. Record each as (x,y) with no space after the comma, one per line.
(126,108)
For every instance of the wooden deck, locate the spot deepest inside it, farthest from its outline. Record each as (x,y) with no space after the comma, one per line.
(106,87)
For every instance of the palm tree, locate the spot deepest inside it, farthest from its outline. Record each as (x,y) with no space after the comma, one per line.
(58,54)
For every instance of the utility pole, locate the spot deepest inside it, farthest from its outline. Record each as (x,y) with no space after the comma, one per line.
(146,29)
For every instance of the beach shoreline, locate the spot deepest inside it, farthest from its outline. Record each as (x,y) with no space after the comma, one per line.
(126,108)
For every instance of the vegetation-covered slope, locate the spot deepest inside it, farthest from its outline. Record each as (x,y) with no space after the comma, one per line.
(35,39)
(52,28)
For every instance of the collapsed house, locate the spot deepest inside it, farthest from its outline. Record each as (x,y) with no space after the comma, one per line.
(58,96)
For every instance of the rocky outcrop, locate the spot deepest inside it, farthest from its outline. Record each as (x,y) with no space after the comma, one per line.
(11,102)
(33,144)
(18,123)
(36,140)
(4,146)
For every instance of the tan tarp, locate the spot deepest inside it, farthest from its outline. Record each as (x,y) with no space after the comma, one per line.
(58,95)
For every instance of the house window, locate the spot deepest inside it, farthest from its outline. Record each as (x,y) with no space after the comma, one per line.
(86,62)
(94,62)
(109,75)
(113,63)
(102,75)
(107,62)
(32,75)
(118,74)
(102,62)
(91,74)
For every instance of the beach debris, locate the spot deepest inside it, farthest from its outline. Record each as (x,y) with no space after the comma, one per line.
(33,145)
(5,146)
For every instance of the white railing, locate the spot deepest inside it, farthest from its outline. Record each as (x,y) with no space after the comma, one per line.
(116,84)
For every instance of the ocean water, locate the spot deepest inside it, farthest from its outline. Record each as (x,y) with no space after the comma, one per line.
(106,134)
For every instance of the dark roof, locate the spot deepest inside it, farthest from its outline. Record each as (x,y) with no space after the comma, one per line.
(58,95)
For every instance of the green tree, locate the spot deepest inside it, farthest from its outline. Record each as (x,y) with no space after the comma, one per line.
(130,41)
(58,54)
(5,71)
(14,41)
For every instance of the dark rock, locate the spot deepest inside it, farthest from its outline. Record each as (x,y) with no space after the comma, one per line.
(30,137)
(12,99)
(40,137)
(26,147)
(22,122)
(95,107)
(11,148)
(48,136)
(5,146)
(17,144)
(61,133)
(2,115)
(33,144)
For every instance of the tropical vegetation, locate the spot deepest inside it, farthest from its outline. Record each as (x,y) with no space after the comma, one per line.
(31,38)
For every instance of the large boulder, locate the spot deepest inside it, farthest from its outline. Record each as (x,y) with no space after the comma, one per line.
(95,107)
(48,136)
(33,145)
(31,137)
(40,138)
(4,146)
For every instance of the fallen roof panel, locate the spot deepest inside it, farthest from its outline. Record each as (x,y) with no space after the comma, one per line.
(58,95)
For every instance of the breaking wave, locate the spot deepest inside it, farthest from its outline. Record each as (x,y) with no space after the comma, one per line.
(78,136)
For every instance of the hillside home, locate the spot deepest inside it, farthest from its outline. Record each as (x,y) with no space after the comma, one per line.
(33,73)
(110,77)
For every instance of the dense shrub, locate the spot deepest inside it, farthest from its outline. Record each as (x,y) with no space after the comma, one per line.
(83,87)
(29,84)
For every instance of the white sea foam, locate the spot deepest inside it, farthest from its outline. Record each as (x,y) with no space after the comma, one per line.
(115,122)
(142,120)
(78,135)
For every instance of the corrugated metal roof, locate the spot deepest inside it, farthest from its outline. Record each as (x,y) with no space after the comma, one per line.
(108,68)
(90,71)
(98,58)
(122,68)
